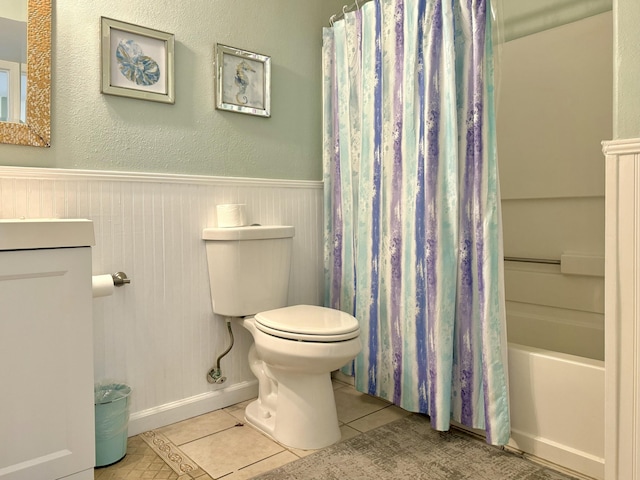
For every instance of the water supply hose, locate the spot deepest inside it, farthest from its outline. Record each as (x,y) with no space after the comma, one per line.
(215,374)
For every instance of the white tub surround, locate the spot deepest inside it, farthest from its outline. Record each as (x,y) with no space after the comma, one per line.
(555,108)
(158,334)
(622,309)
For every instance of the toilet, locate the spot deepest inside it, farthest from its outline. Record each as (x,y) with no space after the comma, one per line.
(295,347)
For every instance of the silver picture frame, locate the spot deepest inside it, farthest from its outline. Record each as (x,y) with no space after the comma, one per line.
(137,62)
(243,81)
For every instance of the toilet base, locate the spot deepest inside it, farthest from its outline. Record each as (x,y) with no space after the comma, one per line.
(305,415)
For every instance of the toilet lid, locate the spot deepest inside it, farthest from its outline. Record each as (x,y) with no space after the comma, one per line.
(308,322)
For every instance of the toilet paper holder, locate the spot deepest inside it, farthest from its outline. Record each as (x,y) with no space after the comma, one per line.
(120,279)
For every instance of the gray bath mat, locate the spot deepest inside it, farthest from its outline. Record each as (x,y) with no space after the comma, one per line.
(410,448)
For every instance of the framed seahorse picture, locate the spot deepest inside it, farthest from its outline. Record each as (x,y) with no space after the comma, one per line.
(243,81)
(137,62)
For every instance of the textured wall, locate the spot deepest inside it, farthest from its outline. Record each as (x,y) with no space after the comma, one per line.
(95,131)
(626,114)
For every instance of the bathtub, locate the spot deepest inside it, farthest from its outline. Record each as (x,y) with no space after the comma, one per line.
(557,408)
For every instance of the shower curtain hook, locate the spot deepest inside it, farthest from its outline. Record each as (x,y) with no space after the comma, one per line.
(357,6)
(344,9)
(331,19)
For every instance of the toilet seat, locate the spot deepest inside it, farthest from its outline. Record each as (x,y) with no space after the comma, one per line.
(308,323)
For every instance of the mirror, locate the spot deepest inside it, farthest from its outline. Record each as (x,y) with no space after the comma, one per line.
(36,128)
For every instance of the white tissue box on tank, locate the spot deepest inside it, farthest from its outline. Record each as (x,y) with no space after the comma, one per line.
(46,350)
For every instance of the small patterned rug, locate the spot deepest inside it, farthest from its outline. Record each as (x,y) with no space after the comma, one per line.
(410,448)
(175,458)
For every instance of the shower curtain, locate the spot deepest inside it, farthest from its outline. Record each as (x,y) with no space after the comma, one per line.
(412,218)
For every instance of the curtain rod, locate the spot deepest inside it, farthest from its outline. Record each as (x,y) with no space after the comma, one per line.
(345,9)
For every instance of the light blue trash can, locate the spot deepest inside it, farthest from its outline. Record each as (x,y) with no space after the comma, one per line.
(112,421)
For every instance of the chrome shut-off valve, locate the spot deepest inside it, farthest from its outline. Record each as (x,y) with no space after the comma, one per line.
(215,376)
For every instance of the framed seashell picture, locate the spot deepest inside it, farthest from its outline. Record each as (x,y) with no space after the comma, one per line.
(243,81)
(137,62)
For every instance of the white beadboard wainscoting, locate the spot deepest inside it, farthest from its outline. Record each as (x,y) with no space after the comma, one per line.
(159,334)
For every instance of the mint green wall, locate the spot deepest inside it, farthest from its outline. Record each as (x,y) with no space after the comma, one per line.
(94,131)
(626,85)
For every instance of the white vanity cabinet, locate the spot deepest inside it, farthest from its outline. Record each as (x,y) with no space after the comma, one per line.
(46,350)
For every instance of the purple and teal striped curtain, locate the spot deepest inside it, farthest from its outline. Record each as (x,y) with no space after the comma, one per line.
(412,208)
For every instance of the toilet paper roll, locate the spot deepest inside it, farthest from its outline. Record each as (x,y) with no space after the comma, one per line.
(102,285)
(232,215)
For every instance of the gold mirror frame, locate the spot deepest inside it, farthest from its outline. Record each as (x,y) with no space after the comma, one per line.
(37,130)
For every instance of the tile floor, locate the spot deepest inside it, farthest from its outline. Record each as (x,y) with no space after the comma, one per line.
(223,449)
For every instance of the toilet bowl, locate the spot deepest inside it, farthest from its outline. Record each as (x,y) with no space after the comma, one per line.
(295,404)
(295,347)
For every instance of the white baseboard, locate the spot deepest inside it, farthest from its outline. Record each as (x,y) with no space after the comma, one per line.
(173,412)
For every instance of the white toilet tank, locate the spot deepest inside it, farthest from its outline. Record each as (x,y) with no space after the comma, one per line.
(248,268)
